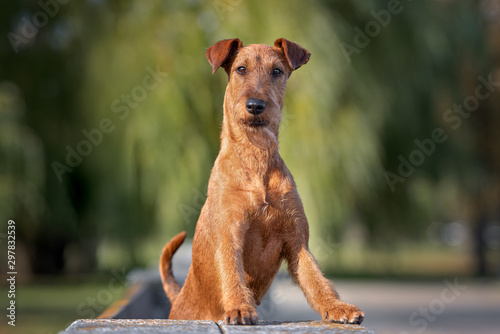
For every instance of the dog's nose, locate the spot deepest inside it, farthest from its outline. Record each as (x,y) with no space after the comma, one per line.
(256,106)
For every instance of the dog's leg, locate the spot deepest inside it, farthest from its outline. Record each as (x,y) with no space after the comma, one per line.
(305,271)
(319,291)
(237,299)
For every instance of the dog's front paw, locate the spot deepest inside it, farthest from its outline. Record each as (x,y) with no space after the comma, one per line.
(241,316)
(343,313)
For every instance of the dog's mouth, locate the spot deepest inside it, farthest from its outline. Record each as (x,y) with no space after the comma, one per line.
(256,122)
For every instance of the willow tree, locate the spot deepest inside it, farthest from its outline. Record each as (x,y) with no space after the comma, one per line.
(124,116)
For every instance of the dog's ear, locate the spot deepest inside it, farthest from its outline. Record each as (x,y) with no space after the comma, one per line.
(294,53)
(222,54)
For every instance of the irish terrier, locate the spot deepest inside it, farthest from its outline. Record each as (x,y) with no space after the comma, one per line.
(253,217)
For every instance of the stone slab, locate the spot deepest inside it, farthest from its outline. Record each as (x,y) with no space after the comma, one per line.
(163,326)
(136,326)
(294,328)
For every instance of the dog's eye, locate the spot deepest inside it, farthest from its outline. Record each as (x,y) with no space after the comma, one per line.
(277,72)
(241,70)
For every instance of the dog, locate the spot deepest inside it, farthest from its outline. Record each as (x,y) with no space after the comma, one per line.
(253,218)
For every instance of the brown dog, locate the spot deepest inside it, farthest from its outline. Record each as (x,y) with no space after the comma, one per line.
(253,218)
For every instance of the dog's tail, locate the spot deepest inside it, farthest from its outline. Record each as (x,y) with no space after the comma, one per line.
(170,285)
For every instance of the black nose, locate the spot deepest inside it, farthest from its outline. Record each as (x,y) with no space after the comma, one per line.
(256,106)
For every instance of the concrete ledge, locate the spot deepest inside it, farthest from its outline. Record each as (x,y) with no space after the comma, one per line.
(130,326)
(136,326)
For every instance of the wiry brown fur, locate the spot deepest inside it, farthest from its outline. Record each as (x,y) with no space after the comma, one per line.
(253,218)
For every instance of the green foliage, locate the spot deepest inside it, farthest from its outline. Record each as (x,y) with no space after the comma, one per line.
(345,122)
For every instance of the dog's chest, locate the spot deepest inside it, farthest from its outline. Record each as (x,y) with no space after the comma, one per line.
(267,218)
(262,256)
(268,196)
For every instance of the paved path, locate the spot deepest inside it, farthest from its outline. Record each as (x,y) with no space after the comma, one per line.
(450,306)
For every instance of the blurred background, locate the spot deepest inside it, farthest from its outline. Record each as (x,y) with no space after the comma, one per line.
(110,120)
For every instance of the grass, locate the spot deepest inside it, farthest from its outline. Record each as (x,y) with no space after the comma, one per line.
(50,305)
(410,261)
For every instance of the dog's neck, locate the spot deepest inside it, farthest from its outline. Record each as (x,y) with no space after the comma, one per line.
(256,148)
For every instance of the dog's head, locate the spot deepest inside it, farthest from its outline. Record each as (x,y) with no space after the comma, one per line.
(257,76)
